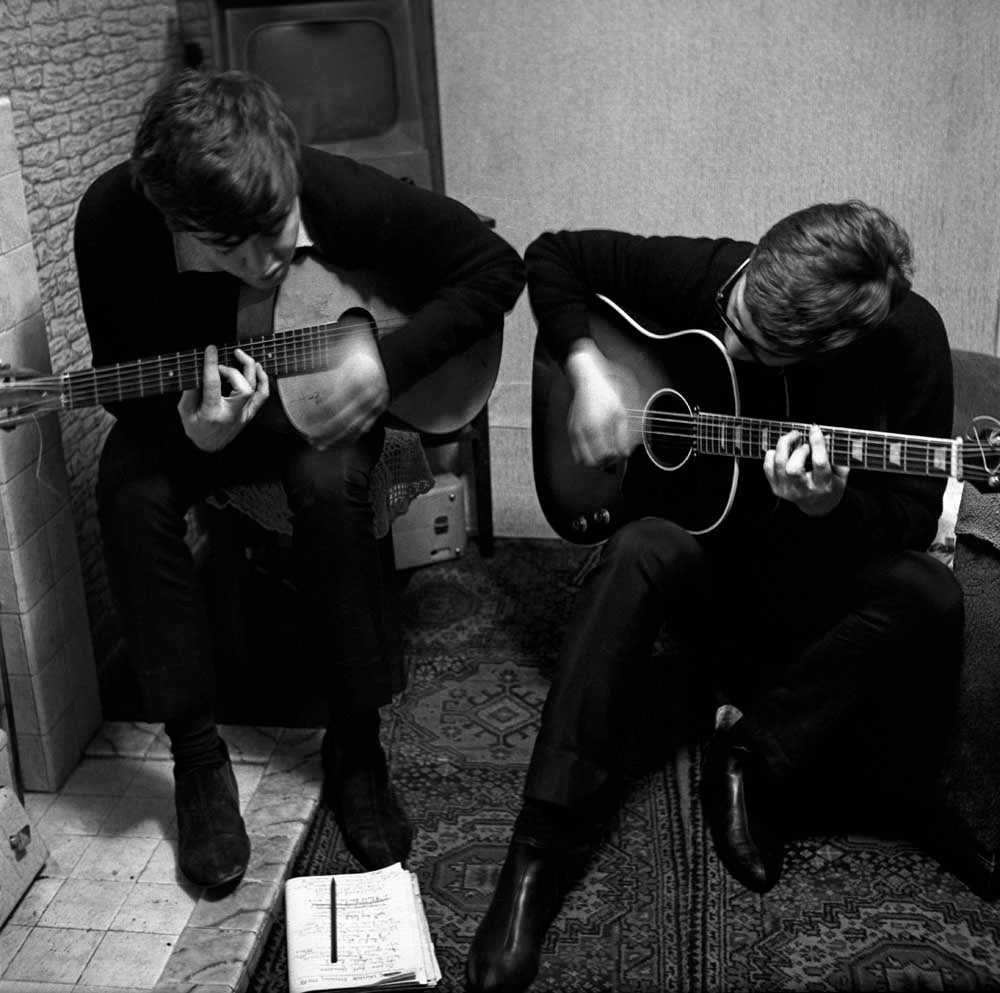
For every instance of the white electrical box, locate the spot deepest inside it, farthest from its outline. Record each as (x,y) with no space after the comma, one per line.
(22,858)
(433,529)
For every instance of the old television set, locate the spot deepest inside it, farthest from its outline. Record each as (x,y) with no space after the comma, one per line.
(357,77)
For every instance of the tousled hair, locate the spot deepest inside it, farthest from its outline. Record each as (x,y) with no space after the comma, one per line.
(215,152)
(827,275)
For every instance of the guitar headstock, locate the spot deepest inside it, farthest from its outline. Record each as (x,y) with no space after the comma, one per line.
(982,448)
(26,394)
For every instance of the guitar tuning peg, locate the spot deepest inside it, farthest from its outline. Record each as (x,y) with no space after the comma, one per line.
(986,430)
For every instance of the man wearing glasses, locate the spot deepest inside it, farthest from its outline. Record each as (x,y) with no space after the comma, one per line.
(808,619)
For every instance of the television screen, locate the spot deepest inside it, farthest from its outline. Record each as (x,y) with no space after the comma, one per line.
(337,79)
(356,76)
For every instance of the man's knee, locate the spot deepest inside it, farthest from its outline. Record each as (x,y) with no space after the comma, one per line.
(138,506)
(654,547)
(330,482)
(931,586)
(136,489)
(917,586)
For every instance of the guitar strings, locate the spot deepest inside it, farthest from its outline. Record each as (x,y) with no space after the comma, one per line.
(918,451)
(297,346)
(684,428)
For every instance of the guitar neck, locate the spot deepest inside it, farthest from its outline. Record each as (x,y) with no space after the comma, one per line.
(879,451)
(288,354)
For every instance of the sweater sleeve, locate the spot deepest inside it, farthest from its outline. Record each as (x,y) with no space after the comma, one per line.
(671,279)
(887,510)
(466,275)
(118,255)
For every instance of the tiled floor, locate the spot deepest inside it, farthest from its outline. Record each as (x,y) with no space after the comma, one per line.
(110,911)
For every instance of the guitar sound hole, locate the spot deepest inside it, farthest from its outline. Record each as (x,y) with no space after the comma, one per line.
(668,429)
(355,318)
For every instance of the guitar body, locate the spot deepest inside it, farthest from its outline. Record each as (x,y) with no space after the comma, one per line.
(661,375)
(366,306)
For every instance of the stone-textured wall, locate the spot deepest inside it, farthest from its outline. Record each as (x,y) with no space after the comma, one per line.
(76,73)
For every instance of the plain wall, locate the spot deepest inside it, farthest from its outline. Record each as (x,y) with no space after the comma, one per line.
(717,118)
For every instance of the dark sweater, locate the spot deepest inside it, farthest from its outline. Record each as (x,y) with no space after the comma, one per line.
(136,304)
(899,379)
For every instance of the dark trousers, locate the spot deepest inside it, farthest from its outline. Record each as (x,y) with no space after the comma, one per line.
(144,491)
(802,646)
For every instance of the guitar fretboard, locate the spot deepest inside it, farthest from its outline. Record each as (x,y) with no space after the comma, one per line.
(748,437)
(290,353)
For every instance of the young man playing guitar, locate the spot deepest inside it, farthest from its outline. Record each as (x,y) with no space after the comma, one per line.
(819,606)
(217,208)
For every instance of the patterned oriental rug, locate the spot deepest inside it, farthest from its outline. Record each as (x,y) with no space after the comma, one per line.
(656,911)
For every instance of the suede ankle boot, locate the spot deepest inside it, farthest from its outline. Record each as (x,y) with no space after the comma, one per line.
(213,847)
(356,788)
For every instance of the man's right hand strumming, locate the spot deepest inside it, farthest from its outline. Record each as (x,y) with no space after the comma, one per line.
(598,424)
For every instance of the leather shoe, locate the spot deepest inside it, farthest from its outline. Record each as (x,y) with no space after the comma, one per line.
(356,788)
(506,949)
(213,848)
(740,804)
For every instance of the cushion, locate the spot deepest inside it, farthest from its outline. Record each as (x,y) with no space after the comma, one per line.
(401,474)
(977,387)
(962,819)
(963,827)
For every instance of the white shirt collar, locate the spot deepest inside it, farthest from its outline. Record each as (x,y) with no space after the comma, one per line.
(192,255)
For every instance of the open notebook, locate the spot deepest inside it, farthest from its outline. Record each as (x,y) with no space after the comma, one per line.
(358,931)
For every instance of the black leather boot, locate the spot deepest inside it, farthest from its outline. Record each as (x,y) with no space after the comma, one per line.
(213,847)
(506,950)
(741,805)
(356,788)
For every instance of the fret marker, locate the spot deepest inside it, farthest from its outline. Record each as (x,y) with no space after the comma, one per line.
(858,450)
(895,453)
(941,459)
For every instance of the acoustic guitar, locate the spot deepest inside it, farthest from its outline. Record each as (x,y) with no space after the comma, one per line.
(290,332)
(688,436)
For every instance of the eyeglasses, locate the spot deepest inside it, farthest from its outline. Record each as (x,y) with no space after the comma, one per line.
(721,305)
